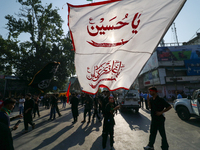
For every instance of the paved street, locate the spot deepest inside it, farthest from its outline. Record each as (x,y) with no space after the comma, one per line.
(131,132)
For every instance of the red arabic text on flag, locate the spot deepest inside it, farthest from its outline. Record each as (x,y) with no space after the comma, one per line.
(114,39)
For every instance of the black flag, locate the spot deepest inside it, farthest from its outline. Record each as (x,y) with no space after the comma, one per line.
(42,78)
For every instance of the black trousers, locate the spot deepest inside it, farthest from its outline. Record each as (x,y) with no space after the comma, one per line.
(57,110)
(107,129)
(158,126)
(95,114)
(28,120)
(89,113)
(146,104)
(141,101)
(36,109)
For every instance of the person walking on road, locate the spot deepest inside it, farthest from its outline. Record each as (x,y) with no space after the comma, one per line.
(28,107)
(109,122)
(21,105)
(88,106)
(53,108)
(64,100)
(57,109)
(158,107)
(105,101)
(141,99)
(96,102)
(145,100)
(74,107)
(36,106)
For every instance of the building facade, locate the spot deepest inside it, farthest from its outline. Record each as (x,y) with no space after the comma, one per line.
(171,69)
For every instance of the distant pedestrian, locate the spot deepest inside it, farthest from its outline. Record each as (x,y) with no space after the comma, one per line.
(36,106)
(158,107)
(179,96)
(64,100)
(88,106)
(74,107)
(141,99)
(53,107)
(109,122)
(96,104)
(145,100)
(21,105)
(57,109)
(28,107)
(105,101)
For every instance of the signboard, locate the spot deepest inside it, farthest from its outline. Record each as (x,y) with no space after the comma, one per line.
(183,79)
(178,53)
(193,67)
(151,78)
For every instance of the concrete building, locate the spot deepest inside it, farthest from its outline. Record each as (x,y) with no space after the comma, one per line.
(170,69)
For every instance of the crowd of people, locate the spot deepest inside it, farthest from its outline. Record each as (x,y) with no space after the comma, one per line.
(104,106)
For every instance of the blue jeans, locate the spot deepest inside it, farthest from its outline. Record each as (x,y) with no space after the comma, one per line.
(53,112)
(21,109)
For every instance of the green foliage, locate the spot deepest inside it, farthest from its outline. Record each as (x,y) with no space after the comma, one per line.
(47,42)
(8,56)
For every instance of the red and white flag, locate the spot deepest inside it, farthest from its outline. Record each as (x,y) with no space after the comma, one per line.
(114,39)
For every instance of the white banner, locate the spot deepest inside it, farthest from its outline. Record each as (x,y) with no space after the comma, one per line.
(114,39)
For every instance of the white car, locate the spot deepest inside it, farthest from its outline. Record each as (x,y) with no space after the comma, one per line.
(188,107)
(129,99)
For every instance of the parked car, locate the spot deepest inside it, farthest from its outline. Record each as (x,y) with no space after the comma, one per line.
(188,107)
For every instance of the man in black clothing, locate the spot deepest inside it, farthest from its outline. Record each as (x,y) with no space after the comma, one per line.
(74,106)
(158,107)
(28,107)
(96,102)
(88,106)
(57,109)
(105,101)
(36,107)
(109,122)
(53,107)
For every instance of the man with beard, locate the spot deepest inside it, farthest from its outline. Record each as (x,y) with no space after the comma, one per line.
(28,107)
(74,106)
(158,107)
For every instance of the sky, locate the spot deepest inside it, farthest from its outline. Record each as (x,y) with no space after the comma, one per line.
(187,22)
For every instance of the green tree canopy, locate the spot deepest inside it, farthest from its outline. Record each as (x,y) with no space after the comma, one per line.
(47,42)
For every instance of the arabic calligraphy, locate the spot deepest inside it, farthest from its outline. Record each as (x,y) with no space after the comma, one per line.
(107,44)
(102,29)
(113,68)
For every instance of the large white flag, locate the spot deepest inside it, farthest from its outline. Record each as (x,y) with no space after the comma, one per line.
(114,39)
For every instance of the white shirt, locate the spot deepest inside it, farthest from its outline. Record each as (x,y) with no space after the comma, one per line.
(21,102)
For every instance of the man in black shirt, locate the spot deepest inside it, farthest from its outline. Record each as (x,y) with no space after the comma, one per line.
(158,107)
(36,106)
(28,107)
(109,122)
(53,107)
(96,102)
(74,106)
(88,106)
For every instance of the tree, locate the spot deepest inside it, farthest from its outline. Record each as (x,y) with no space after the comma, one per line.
(47,42)
(8,55)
